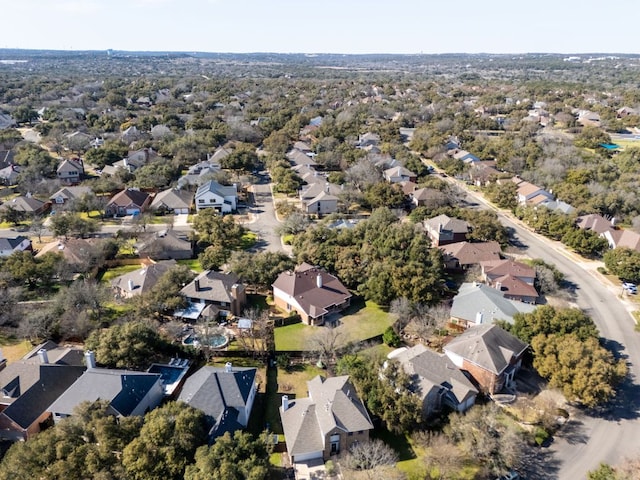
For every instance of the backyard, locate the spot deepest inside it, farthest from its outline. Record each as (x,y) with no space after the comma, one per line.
(359,322)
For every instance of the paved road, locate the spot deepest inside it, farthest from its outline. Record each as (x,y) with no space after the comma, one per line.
(614,434)
(264,221)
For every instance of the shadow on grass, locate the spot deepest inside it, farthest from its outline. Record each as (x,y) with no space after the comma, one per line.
(265,413)
(398,442)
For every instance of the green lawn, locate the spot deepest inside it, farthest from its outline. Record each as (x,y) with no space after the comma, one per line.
(358,323)
(114,272)
(193,264)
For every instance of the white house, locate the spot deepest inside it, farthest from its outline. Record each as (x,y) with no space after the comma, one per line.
(220,197)
(10,245)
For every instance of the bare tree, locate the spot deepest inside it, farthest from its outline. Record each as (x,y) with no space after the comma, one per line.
(363,174)
(374,459)
(326,342)
(440,453)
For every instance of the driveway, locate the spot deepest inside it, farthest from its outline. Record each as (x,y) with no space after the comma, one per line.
(263,218)
(610,435)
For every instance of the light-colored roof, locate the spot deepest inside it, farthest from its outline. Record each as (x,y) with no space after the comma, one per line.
(475,298)
(444,222)
(214,187)
(24,204)
(142,280)
(398,172)
(129,196)
(488,346)
(172,199)
(213,286)
(594,222)
(70,193)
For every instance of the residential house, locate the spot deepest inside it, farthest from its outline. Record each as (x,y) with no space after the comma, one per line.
(129,201)
(435,380)
(79,253)
(483,173)
(623,238)
(528,191)
(428,197)
(625,112)
(322,204)
(465,156)
(128,392)
(173,200)
(595,222)
(462,255)
(6,121)
(310,292)
(319,186)
(70,171)
(224,395)
(165,245)
(30,385)
(224,199)
(297,157)
(514,279)
(78,141)
(557,206)
(330,420)
(27,205)
(130,135)
(140,281)
(199,173)
(69,194)
(399,174)
(221,153)
(491,355)
(222,290)
(587,117)
(443,230)
(477,304)
(14,244)
(406,133)
(8,171)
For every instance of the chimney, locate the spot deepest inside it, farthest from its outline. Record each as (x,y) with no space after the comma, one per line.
(613,221)
(228,367)
(499,286)
(319,280)
(44,356)
(479,318)
(130,285)
(439,227)
(196,283)
(90,359)
(285,403)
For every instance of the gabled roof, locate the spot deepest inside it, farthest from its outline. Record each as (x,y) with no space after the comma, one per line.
(71,193)
(398,172)
(218,392)
(476,298)
(324,197)
(499,268)
(61,355)
(11,243)
(488,346)
(53,381)
(625,238)
(129,196)
(172,198)
(467,253)
(302,284)
(213,286)
(444,222)
(69,165)
(76,251)
(515,287)
(123,389)
(142,280)
(332,403)
(434,369)
(297,157)
(214,187)
(594,222)
(313,190)
(24,204)
(162,244)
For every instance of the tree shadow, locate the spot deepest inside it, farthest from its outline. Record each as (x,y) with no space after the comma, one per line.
(573,432)
(539,464)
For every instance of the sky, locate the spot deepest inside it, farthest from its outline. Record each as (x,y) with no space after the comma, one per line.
(323,26)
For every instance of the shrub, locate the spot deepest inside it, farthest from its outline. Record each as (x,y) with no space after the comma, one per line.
(540,436)
(391,338)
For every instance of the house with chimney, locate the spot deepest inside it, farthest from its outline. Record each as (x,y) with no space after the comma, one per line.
(69,194)
(165,245)
(222,291)
(310,292)
(130,201)
(443,230)
(489,354)
(329,421)
(514,279)
(462,255)
(140,281)
(225,395)
(128,392)
(172,201)
(399,174)
(30,385)
(70,171)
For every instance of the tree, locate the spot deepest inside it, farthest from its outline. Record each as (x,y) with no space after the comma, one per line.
(132,345)
(260,269)
(295,223)
(327,342)
(383,194)
(232,457)
(591,137)
(167,443)
(503,194)
(623,262)
(164,297)
(374,458)
(548,320)
(243,158)
(23,267)
(10,214)
(391,338)
(80,307)
(603,472)
(585,242)
(584,370)
(65,224)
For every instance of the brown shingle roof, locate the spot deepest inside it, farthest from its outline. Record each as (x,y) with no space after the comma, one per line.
(470,253)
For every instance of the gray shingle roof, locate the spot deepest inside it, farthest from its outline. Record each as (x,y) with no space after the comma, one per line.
(488,346)
(474,298)
(143,279)
(213,286)
(122,388)
(11,243)
(172,199)
(219,394)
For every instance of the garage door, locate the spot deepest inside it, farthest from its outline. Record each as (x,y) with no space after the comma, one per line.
(303,457)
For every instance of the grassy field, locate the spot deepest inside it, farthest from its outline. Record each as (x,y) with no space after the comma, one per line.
(117,271)
(193,264)
(358,323)
(14,349)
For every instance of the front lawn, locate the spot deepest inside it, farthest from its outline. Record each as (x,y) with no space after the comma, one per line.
(359,322)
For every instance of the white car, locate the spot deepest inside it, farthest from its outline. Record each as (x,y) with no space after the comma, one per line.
(630,288)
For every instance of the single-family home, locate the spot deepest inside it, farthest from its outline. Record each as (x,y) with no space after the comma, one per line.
(225,395)
(623,238)
(221,153)
(368,140)
(587,117)
(311,292)
(199,173)
(465,157)
(165,245)
(30,385)
(435,380)
(297,157)
(70,171)
(595,222)
(172,200)
(69,194)
(81,254)
(222,290)
(14,244)
(26,204)
(130,201)
(322,204)
(222,198)
(514,279)
(399,174)
(428,197)
(128,392)
(443,230)
(140,281)
(462,255)
(491,355)
(6,121)
(477,304)
(528,191)
(78,140)
(330,420)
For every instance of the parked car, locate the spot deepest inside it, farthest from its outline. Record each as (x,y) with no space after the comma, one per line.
(630,288)
(512,475)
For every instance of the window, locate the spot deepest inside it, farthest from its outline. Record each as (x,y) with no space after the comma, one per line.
(351,434)
(201,200)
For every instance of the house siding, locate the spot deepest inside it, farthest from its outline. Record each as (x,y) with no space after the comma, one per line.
(151,400)
(345,443)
